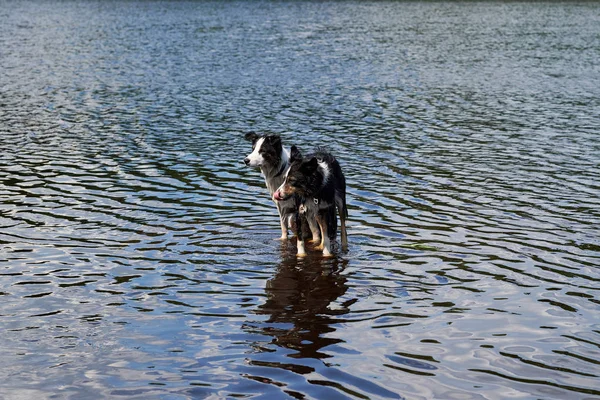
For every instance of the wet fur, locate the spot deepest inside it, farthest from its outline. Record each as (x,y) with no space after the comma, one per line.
(320,184)
(273,160)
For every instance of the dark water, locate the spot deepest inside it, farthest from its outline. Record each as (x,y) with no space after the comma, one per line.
(137,253)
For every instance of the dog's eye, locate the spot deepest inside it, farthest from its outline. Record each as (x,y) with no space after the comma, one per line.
(292,181)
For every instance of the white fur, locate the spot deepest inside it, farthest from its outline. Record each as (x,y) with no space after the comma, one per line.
(284,226)
(325,170)
(277,190)
(301,250)
(285,156)
(269,182)
(326,246)
(256,159)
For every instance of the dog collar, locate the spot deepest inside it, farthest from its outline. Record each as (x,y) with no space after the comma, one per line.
(316,201)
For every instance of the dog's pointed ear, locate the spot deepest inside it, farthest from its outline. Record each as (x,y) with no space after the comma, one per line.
(310,166)
(251,136)
(275,141)
(295,154)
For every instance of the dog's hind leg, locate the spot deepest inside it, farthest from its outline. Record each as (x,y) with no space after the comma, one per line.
(325,242)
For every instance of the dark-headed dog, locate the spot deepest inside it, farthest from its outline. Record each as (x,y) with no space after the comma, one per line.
(319,182)
(274,160)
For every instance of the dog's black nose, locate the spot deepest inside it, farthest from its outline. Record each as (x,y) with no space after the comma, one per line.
(246,161)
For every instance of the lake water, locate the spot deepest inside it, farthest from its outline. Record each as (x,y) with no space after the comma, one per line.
(137,252)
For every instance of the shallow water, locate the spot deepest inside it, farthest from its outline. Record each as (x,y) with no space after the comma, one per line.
(137,253)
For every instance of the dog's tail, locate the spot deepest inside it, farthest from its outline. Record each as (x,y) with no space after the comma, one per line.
(340,202)
(340,195)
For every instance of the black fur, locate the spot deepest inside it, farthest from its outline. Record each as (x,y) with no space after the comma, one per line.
(320,183)
(270,150)
(274,164)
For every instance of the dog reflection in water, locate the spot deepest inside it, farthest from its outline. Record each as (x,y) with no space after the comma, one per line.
(303,293)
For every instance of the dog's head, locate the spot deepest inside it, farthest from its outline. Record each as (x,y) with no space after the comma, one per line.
(299,177)
(266,150)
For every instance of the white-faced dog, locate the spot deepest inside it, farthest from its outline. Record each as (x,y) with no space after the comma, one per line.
(273,160)
(320,184)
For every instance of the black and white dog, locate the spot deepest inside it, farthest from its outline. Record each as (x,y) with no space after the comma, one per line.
(321,186)
(274,160)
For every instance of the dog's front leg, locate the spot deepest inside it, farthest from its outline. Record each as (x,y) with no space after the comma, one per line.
(299,237)
(312,222)
(283,223)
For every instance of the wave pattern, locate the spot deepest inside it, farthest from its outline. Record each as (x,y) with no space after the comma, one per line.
(137,253)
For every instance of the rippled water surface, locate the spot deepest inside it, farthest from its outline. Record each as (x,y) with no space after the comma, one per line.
(137,253)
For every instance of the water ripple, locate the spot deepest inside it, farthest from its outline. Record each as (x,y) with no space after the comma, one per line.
(137,252)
